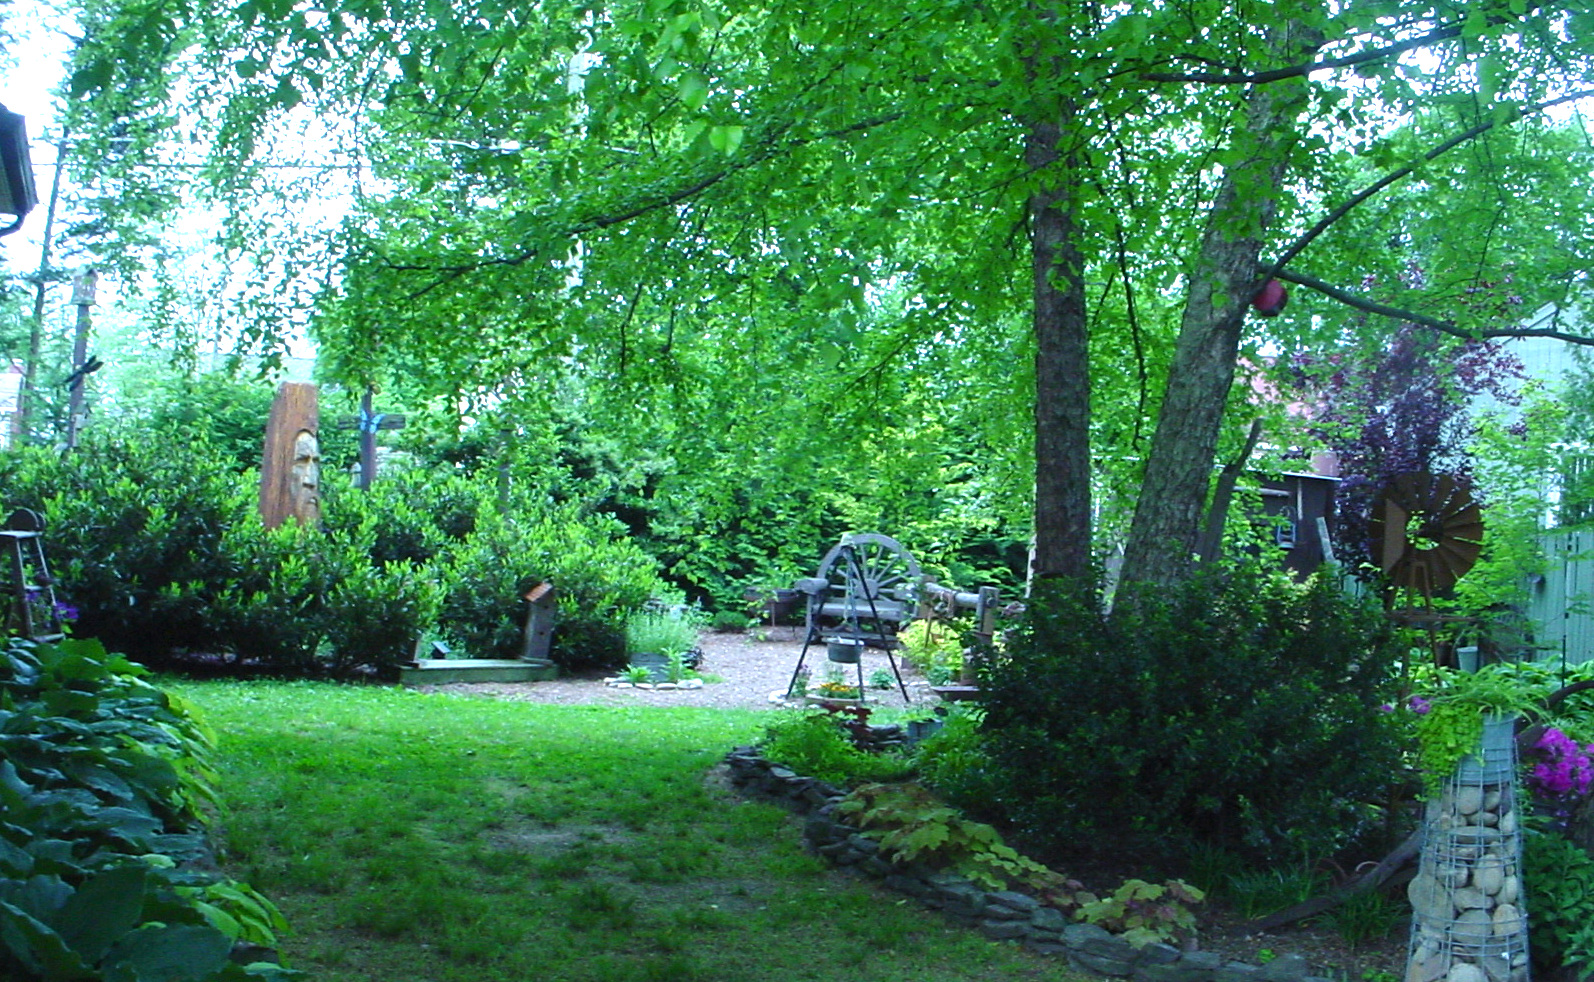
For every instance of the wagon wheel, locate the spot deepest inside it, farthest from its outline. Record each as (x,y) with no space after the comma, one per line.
(1427,531)
(878,569)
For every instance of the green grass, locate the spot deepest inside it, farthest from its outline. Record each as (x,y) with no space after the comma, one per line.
(429,838)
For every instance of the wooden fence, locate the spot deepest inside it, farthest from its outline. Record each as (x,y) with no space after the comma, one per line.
(1561,603)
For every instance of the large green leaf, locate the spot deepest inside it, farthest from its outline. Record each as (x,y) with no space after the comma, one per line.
(159,953)
(104,908)
(31,942)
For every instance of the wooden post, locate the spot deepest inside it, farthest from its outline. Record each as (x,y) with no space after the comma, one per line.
(368,423)
(290,467)
(540,611)
(83,298)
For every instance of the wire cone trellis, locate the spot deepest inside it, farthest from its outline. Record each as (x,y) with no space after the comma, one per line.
(1469,920)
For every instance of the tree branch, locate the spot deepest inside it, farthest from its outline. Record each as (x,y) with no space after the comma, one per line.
(1370,880)
(1295,248)
(1423,320)
(1298,71)
(765,150)
(1434,36)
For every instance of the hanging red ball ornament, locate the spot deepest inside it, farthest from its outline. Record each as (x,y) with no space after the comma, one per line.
(1271,299)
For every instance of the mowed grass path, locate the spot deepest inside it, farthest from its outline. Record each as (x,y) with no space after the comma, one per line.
(437,838)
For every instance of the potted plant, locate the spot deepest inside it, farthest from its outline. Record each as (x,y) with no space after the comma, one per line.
(652,636)
(1467,720)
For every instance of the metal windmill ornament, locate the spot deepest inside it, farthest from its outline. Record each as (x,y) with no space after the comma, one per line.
(1427,531)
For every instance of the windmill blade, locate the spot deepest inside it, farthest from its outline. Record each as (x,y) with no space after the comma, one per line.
(1450,526)
(1389,533)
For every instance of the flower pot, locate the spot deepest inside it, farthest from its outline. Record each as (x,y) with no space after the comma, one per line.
(830,702)
(1495,760)
(846,651)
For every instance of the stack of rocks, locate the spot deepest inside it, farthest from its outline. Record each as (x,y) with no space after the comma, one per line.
(877,738)
(1468,918)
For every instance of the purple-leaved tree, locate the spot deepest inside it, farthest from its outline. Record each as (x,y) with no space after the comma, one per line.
(1406,408)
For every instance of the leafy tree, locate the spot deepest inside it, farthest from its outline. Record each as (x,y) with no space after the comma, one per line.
(1405,411)
(781,211)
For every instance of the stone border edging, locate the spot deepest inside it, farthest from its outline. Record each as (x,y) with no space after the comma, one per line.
(1001,915)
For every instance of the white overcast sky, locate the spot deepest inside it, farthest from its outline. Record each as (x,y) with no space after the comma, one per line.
(32,67)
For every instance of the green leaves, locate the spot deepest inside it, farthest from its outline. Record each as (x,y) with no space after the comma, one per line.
(913,826)
(95,815)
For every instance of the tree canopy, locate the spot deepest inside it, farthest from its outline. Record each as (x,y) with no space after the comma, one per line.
(837,230)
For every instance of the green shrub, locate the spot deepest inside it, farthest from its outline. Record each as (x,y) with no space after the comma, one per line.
(661,631)
(161,548)
(406,516)
(134,534)
(601,578)
(955,763)
(730,621)
(1559,882)
(101,775)
(934,648)
(1239,710)
(813,744)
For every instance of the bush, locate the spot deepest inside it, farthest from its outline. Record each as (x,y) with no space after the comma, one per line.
(600,576)
(934,648)
(956,764)
(1238,710)
(102,777)
(661,632)
(1559,880)
(134,533)
(813,744)
(161,548)
(730,621)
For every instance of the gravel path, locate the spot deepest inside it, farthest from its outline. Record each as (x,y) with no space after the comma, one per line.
(751,671)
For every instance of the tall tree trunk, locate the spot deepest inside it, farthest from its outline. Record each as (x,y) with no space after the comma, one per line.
(1062,358)
(1168,515)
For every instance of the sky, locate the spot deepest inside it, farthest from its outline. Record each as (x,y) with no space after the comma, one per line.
(30,69)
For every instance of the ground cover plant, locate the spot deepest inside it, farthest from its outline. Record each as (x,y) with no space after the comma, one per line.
(105,867)
(426,836)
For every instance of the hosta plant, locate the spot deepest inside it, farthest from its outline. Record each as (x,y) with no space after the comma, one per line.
(103,852)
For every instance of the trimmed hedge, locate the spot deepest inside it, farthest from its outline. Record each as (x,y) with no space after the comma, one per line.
(160,547)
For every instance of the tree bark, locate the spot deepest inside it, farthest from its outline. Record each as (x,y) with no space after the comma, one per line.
(1163,536)
(1062,360)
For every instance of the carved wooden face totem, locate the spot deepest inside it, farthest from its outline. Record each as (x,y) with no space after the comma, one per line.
(305,486)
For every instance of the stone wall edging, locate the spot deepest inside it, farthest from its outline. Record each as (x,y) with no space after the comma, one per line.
(1002,915)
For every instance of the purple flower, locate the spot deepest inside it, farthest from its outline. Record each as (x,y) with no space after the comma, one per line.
(1564,769)
(1419,705)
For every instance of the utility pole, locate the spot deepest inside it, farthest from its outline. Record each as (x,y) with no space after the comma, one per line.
(25,398)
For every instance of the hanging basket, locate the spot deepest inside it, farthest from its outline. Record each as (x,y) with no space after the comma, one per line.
(845,651)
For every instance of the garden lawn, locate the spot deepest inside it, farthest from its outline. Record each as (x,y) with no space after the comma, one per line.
(428,837)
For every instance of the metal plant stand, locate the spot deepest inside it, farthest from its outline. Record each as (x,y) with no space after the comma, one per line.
(872,569)
(31,611)
(1469,920)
